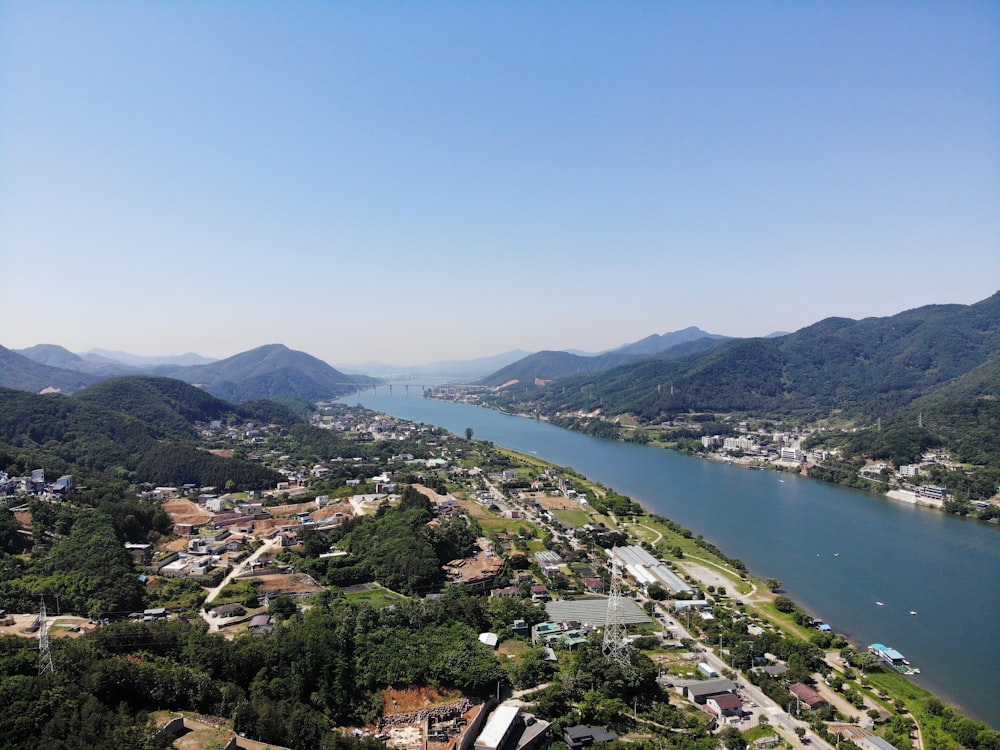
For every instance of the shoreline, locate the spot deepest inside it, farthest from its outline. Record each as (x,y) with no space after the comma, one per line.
(758,598)
(899,495)
(430,417)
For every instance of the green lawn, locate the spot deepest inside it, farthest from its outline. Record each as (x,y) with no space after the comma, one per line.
(508,525)
(377,597)
(574,518)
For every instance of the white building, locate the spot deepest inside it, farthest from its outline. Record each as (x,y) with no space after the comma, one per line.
(791,454)
(742,443)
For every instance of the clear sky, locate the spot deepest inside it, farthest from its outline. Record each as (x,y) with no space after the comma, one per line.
(416,181)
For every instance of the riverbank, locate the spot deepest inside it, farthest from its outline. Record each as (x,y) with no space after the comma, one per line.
(753,462)
(882,692)
(901,554)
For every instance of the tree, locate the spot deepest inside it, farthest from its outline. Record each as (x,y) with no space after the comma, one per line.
(731,738)
(773,584)
(533,670)
(784,604)
(657,592)
(468,433)
(283,606)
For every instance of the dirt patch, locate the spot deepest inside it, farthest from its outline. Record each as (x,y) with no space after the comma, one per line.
(556,502)
(344,508)
(412,699)
(473,509)
(708,575)
(184,511)
(289,583)
(291,509)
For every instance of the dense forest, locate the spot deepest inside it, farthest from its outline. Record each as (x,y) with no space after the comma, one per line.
(320,670)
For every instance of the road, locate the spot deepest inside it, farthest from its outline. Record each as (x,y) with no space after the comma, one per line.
(774,714)
(268,546)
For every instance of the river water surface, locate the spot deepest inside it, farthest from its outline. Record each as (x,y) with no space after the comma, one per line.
(855,560)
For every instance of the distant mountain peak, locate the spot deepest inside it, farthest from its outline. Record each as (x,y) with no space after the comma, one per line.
(656,343)
(136,360)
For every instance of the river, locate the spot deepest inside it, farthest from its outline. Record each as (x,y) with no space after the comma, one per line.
(856,560)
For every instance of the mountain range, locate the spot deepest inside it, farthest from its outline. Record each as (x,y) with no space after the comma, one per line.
(265,372)
(863,368)
(543,367)
(866,368)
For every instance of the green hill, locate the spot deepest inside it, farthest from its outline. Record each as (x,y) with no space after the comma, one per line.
(555,365)
(867,368)
(83,436)
(266,372)
(172,406)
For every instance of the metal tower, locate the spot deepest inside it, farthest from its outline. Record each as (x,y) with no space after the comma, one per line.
(44,652)
(614,646)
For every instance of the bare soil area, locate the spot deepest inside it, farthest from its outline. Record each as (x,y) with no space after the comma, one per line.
(289,583)
(474,509)
(412,699)
(554,502)
(184,511)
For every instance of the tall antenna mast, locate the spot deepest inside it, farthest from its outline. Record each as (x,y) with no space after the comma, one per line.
(44,652)
(614,646)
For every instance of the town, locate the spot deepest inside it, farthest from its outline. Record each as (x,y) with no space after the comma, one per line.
(564,565)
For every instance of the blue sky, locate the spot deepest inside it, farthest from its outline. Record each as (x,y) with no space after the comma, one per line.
(408,182)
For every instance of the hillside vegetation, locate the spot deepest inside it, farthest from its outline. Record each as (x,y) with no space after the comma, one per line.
(864,369)
(132,428)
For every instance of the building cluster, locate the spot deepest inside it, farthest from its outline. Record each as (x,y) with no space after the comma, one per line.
(33,485)
(776,448)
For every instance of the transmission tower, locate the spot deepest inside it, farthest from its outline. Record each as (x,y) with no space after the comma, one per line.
(44,652)
(615,647)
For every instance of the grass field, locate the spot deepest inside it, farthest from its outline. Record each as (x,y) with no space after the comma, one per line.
(509,525)
(574,518)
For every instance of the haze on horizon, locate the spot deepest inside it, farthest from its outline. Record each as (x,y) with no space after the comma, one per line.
(408,183)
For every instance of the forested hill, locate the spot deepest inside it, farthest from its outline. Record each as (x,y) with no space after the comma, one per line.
(658,343)
(172,406)
(869,367)
(94,441)
(58,356)
(265,372)
(554,365)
